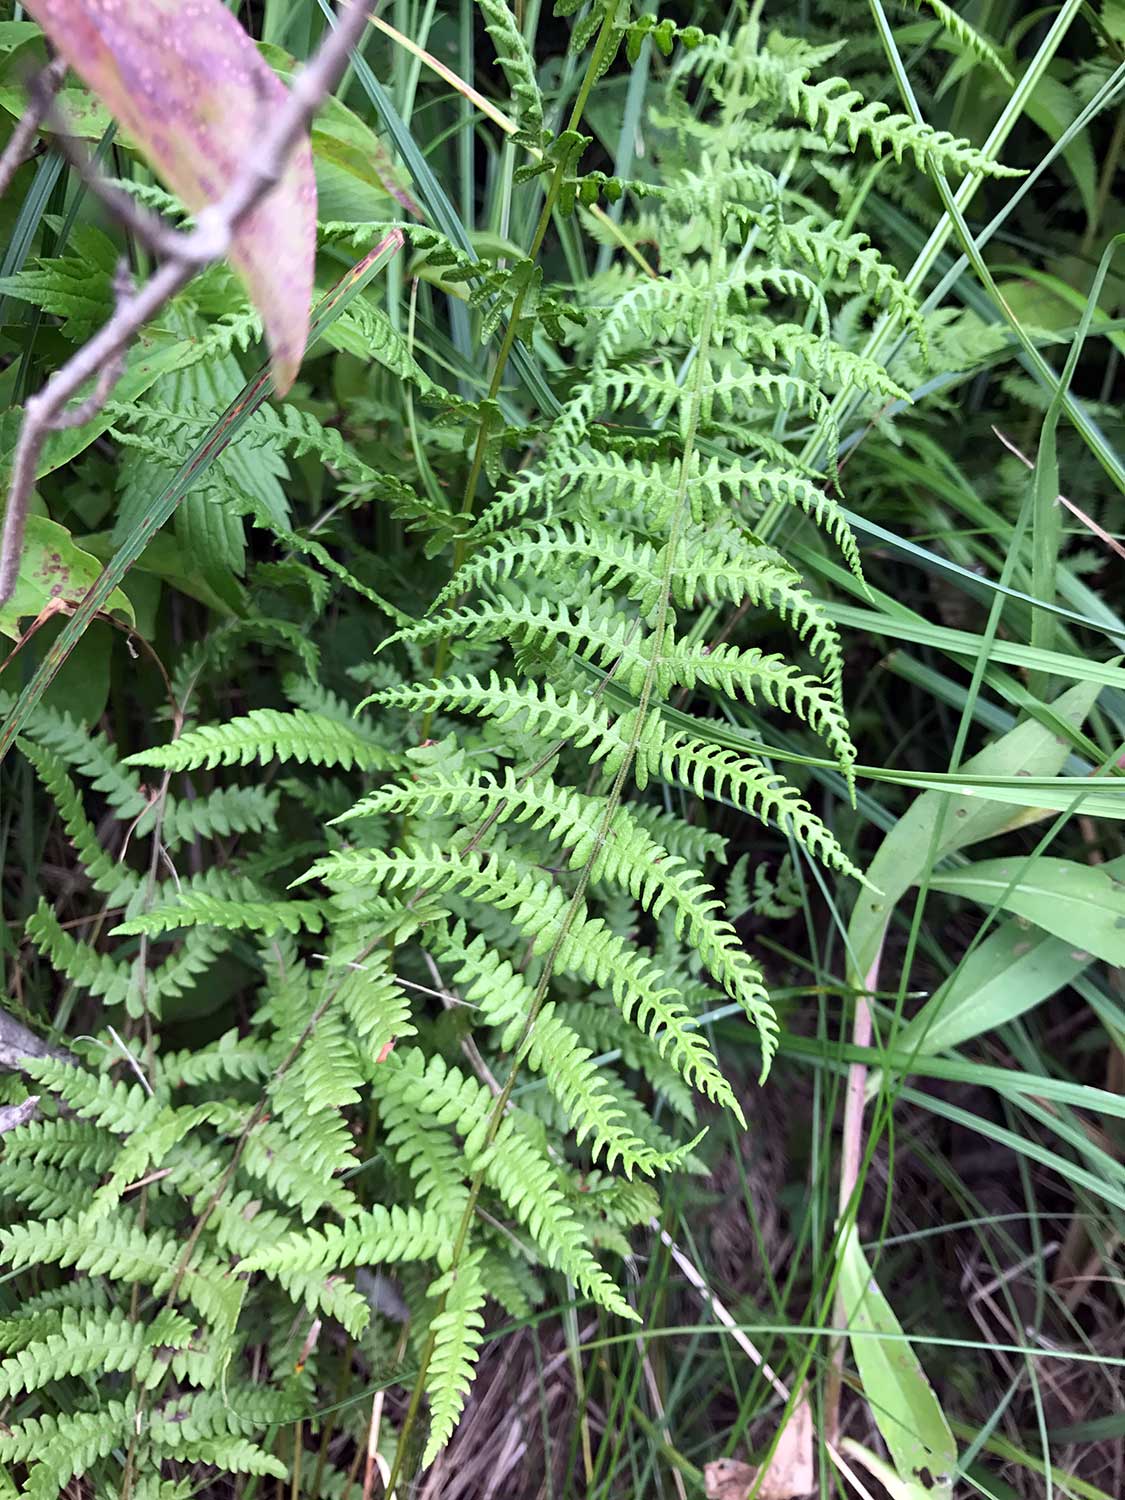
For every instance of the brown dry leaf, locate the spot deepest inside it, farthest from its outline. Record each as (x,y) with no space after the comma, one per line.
(790,1474)
(727,1479)
(192,90)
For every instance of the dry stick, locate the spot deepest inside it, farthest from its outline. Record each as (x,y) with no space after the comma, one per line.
(708,1298)
(187,254)
(1088,521)
(19,146)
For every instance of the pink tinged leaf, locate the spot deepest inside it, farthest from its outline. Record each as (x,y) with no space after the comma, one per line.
(190,87)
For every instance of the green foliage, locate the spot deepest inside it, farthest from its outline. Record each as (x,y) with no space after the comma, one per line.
(420,989)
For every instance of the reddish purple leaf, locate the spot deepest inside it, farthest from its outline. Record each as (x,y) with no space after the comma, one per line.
(190,87)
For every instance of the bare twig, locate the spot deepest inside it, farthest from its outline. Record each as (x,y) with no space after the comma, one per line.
(187,253)
(13,1115)
(40,94)
(709,1299)
(148,228)
(17,1044)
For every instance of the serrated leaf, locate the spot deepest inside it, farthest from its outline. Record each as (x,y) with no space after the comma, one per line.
(190,87)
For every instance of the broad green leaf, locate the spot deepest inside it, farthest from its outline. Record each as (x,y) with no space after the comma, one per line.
(189,86)
(1083,904)
(1010,973)
(53,571)
(1053,107)
(150,357)
(340,137)
(900,1398)
(1029,750)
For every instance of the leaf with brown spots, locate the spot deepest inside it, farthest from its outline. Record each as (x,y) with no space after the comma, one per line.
(54,574)
(191,89)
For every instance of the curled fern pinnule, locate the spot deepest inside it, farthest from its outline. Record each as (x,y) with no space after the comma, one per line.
(458,1333)
(840,256)
(600,634)
(766,482)
(970,39)
(533,706)
(746,278)
(515,59)
(833,107)
(712,770)
(765,677)
(789,344)
(266,734)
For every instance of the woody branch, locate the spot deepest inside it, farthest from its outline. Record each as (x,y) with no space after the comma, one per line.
(184,254)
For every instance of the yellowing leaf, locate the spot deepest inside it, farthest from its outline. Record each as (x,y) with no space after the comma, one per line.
(53,571)
(189,86)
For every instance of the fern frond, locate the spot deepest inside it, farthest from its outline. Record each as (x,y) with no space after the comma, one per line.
(429,1153)
(304,1263)
(105,1340)
(521,1174)
(582,943)
(262,735)
(713,562)
(519,69)
(223,812)
(627,855)
(58,1447)
(99,975)
(554,1050)
(230,1057)
(120,1107)
(458,1332)
(193,908)
(110,876)
(672,755)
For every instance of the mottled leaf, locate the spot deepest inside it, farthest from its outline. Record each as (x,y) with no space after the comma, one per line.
(191,89)
(54,571)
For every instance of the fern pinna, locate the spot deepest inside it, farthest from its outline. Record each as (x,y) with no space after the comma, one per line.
(466,881)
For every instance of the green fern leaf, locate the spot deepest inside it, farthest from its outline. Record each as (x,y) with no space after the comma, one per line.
(263,735)
(458,1332)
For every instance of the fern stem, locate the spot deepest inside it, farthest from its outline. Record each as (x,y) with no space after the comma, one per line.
(613,800)
(605,40)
